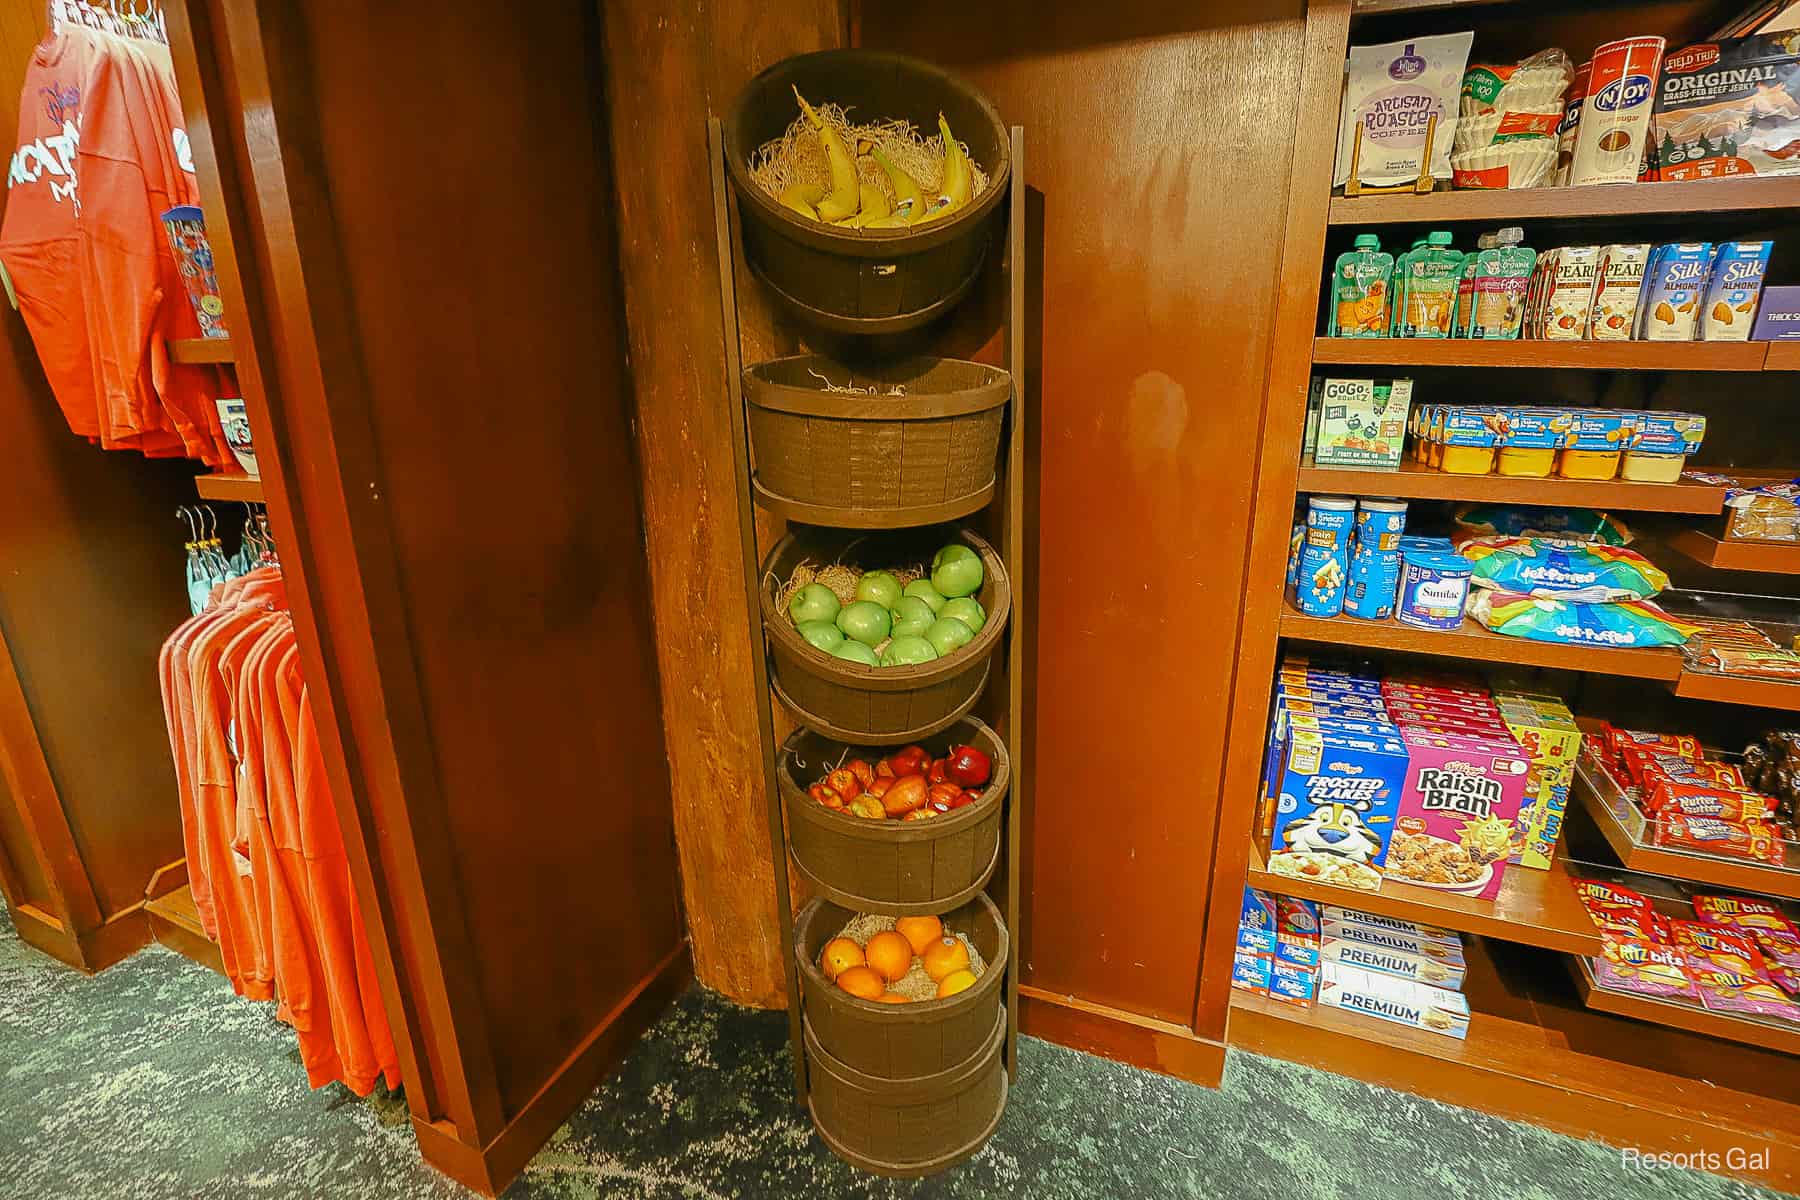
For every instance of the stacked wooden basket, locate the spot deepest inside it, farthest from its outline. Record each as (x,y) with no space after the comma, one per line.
(876,458)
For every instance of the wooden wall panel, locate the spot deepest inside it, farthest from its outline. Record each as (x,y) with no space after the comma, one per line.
(1158,138)
(670,66)
(91,584)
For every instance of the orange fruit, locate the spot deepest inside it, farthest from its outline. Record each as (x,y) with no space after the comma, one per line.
(893,998)
(946,956)
(890,954)
(839,955)
(955,982)
(862,982)
(919,932)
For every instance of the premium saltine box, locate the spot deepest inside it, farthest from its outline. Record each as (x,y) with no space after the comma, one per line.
(1730,107)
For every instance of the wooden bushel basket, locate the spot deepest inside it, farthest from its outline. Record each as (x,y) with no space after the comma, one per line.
(849,702)
(902,1041)
(902,868)
(866,280)
(868,459)
(910,1127)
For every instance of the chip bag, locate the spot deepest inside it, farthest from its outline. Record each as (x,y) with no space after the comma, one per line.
(1625,623)
(1525,520)
(1563,569)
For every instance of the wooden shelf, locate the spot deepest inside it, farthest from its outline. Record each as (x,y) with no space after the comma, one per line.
(1734,689)
(1609,356)
(1724,554)
(1773,1035)
(175,923)
(1623,828)
(229,486)
(1533,908)
(1611,202)
(1782,356)
(1474,642)
(202,350)
(1415,482)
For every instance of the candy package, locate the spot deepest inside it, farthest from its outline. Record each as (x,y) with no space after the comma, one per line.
(1624,623)
(1752,841)
(1563,569)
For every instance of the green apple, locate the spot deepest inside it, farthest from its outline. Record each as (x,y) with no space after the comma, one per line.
(865,621)
(822,634)
(966,609)
(956,571)
(880,587)
(814,602)
(907,651)
(855,652)
(947,634)
(922,589)
(912,617)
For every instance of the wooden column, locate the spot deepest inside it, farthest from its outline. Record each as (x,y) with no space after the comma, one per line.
(669,66)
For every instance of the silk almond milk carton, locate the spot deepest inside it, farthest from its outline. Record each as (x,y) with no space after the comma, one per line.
(1674,287)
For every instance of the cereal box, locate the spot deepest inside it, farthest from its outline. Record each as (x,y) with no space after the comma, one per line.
(1454,829)
(1390,998)
(1618,281)
(1424,968)
(1731,295)
(1674,287)
(1362,422)
(1729,107)
(1335,799)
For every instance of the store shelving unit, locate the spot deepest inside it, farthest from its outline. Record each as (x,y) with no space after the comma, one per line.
(1415,482)
(1776,1035)
(202,350)
(1539,1047)
(228,485)
(1538,908)
(1727,554)
(1598,356)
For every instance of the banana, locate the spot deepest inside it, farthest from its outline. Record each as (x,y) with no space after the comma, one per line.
(957,178)
(910,197)
(845,196)
(874,203)
(897,220)
(801,197)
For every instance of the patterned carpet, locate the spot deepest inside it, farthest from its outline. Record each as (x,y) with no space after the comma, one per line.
(151,1081)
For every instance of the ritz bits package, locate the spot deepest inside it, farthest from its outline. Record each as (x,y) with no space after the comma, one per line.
(1545,729)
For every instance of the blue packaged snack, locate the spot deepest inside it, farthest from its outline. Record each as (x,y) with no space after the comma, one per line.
(1440,544)
(1324,556)
(1434,589)
(1250,972)
(1294,541)
(1293,982)
(1373,584)
(1256,922)
(1335,798)
(1525,520)
(1563,569)
(1379,524)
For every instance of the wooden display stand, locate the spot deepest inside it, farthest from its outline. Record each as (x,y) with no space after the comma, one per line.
(809,1060)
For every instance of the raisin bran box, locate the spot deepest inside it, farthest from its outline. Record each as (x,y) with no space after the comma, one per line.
(1335,797)
(1455,826)
(1727,108)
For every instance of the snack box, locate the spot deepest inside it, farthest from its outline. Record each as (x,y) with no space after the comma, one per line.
(1674,287)
(1729,310)
(1296,921)
(1394,999)
(1292,983)
(1256,923)
(1335,798)
(1729,107)
(1332,915)
(1454,828)
(1778,320)
(1362,422)
(1422,968)
(1419,944)
(1251,972)
(1552,741)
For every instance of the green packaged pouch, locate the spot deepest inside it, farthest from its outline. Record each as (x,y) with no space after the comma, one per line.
(1502,274)
(1430,282)
(1360,287)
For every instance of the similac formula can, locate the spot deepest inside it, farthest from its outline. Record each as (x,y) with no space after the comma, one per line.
(1434,587)
(1324,563)
(1615,116)
(1373,584)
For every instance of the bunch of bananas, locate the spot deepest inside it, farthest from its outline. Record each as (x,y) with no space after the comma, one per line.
(851,204)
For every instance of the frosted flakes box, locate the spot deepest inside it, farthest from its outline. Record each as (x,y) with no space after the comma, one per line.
(1454,828)
(1390,998)
(1424,968)
(1335,796)
(1729,107)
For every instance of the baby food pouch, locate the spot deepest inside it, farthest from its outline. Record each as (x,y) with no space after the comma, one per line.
(1399,96)
(1674,287)
(1432,273)
(1359,290)
(1731,296)
(1618,280)
(1498,286)
(1569,294)
(1465,288)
